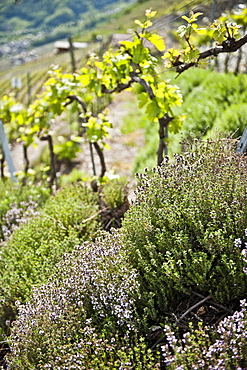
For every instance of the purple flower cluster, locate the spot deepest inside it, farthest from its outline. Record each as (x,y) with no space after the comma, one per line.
(231,347)
(18,214)
(227,352)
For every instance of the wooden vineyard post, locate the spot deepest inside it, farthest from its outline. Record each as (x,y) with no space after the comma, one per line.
(6,151)
(242,145)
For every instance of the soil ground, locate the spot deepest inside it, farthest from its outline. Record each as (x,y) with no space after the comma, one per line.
(119,158)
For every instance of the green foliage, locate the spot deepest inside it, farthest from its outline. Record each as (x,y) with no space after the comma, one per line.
(184,232)
(233,120)
(145,157)
(213,102)
(28,258)
(135,118)
(220,31)
(114,192)
(117,70)
(206,103)
(67,148)
(74,176)
(60,16)
(180,233)
(93,349)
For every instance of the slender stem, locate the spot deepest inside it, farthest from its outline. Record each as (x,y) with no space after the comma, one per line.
(71,49)
(228,46)
(215,304)
(101,157)
(2,166)
(25,159)
(53,175)
(163,134)
(92,158)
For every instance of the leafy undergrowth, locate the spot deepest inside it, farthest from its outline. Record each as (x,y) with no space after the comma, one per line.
(37,228)
(143,296)
(29,255)
(84,317)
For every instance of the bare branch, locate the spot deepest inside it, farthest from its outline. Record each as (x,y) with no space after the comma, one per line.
(118,88)
(193,307)
(73,98)
(214,303)
(228,46)
(163,133)
(134,78)
(145,84)
(95,215)
(101,157)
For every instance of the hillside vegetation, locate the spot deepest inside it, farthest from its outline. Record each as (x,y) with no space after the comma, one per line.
(58,17)
(90,281)
(25,21)
(124,300)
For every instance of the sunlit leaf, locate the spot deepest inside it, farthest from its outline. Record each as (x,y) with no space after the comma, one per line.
(157,41)
(150,14)
(139,23)
(153,110)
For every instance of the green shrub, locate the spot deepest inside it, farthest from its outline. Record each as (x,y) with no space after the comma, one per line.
(114,192)
(35,247)
(29,257)
(190,80)
(180,232)
(206,104)
(84,317)
(136,117)
(232,121)
(147,156)
(186,232)
(74,176)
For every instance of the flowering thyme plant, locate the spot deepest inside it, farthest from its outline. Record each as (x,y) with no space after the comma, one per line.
(84,317)
(180,232)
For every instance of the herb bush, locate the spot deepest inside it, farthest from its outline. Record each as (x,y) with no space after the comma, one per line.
(84,317)
(184,232)
(180,233)
(29,256)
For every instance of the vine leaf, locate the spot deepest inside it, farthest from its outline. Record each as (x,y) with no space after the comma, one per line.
(156,40)
(153,110)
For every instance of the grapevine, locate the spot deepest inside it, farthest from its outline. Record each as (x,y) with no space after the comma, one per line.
(86,90)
